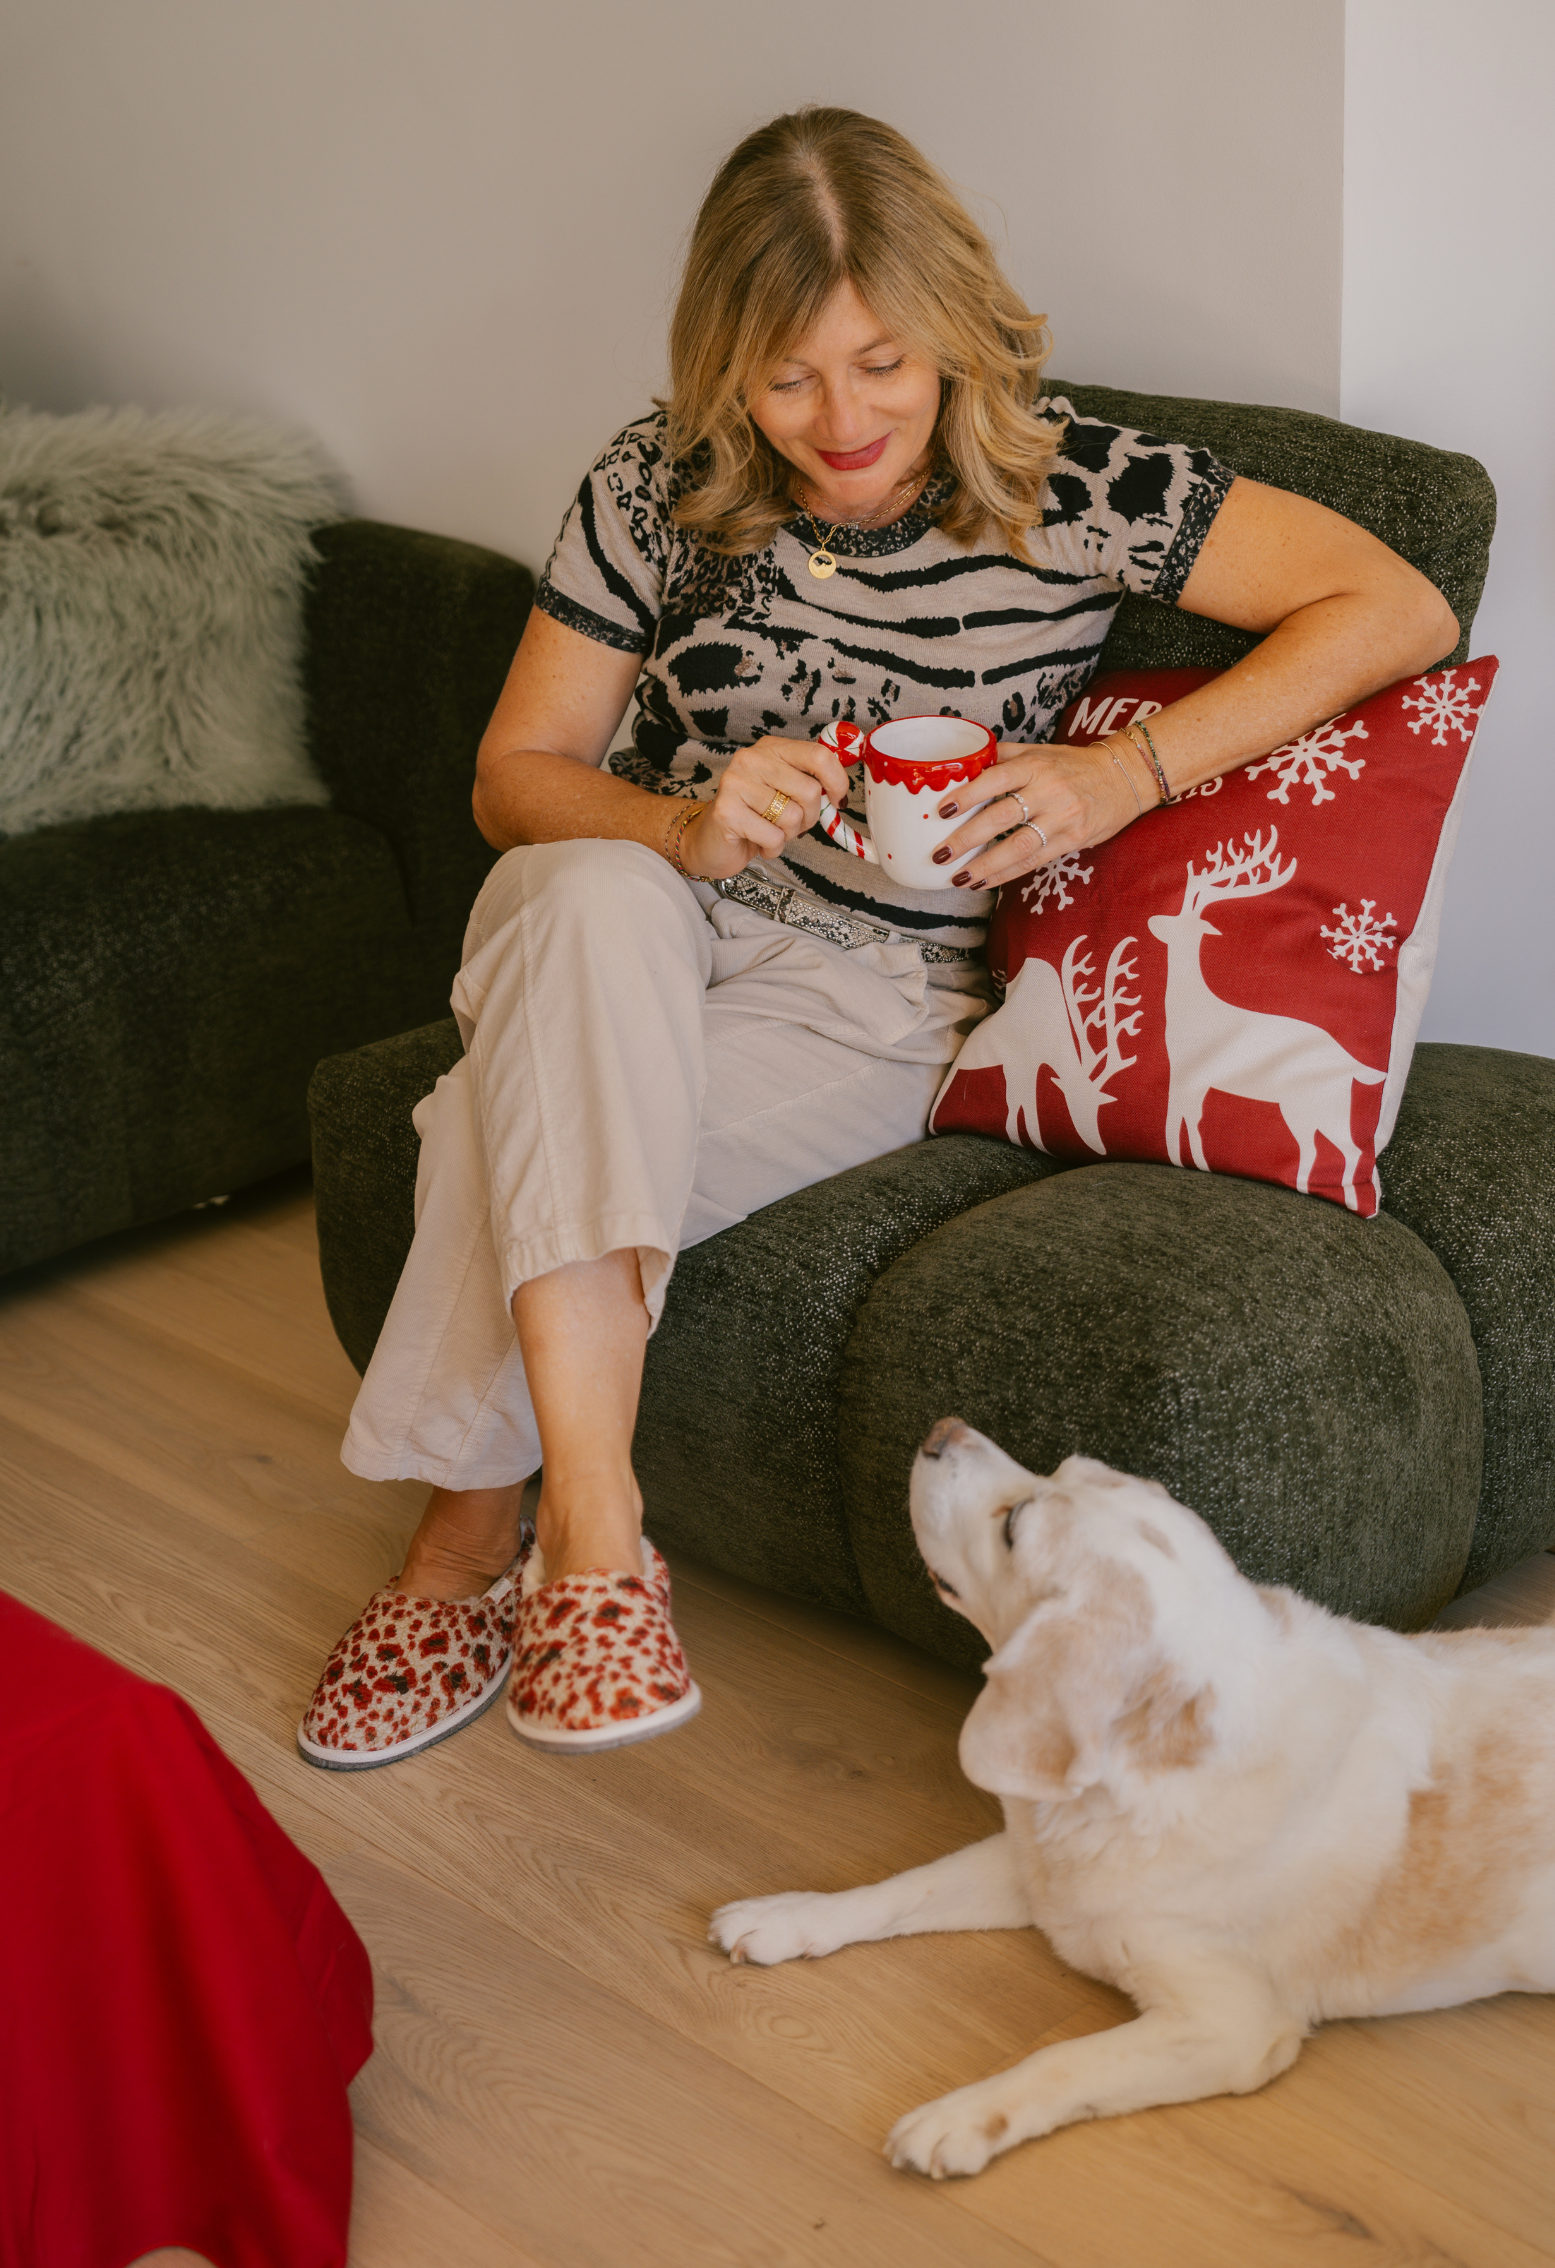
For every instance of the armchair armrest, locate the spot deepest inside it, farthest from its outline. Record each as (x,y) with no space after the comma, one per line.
(408,639)
(1471,1170)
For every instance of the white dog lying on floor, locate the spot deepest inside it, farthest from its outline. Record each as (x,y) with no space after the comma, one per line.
(1245,1812)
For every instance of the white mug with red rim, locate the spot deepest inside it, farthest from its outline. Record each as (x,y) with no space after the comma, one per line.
(910,766)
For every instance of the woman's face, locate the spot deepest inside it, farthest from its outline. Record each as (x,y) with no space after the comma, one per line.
(852,409)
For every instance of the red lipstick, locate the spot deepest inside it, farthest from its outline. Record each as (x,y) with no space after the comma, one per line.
(855,460)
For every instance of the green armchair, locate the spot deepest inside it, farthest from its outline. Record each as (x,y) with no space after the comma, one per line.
(1363,1409)
(170,978)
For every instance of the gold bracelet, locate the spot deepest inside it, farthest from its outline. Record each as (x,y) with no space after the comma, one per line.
(1133,791)
(1150,756)
(690,806)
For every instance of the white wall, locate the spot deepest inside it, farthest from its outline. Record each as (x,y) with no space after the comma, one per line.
(1449,335)
(446,236)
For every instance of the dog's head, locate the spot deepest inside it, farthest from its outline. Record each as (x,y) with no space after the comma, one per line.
(1108,1605)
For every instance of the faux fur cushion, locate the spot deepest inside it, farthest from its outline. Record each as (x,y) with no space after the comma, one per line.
(151,576)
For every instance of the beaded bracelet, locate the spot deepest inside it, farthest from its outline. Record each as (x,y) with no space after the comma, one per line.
(1150,756)
(690,806)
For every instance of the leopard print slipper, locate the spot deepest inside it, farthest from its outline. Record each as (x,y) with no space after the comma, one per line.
(596,1662)
(408,1673)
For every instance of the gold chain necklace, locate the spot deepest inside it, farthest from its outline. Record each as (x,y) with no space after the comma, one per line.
(822,561)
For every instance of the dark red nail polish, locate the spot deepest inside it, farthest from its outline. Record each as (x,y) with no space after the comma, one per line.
(942,854)
(959,881)
(947,811)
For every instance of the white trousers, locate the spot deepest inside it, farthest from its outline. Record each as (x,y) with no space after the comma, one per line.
(646,1063)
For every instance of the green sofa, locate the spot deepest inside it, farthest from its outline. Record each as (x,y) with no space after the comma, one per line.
(169,979)
(1363,1409)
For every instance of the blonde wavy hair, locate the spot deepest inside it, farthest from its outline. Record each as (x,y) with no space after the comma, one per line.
(812,200)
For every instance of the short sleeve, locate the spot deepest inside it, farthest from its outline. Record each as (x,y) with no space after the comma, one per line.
(1129,506)
(605,575)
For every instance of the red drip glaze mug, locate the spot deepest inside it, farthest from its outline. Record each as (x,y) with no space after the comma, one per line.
(910,765)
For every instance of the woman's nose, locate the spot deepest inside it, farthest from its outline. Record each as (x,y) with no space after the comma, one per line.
(844,421)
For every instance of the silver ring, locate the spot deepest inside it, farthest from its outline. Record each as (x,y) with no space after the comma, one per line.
(1011,796)
(1036,830)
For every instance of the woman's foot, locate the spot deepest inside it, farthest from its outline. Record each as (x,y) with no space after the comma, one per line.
(409,1672)
(596,1662)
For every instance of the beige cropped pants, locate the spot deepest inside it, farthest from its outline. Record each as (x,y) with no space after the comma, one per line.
(646,1063)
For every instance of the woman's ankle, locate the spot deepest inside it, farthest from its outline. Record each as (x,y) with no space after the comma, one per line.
(589,1527)
(467,1537)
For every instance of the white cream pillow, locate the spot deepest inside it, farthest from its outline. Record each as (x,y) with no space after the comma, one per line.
(152,567)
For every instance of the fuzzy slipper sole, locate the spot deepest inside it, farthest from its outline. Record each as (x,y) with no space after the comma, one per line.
(620,1735)
(368,1759)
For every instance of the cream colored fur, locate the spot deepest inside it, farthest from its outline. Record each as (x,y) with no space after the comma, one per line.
(1248,1814)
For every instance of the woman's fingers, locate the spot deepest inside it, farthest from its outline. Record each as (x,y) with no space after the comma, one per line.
(1073,797)
(772,792)
(812,758)
(800,792)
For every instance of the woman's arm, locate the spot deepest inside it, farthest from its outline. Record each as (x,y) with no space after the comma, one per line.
(538,776)
(1343,616)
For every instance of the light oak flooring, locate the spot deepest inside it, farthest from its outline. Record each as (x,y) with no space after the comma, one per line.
(567,2075)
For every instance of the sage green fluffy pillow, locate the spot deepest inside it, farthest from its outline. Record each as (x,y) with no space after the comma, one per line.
(152,567)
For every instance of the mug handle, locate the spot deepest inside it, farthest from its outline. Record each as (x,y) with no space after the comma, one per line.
(848,742)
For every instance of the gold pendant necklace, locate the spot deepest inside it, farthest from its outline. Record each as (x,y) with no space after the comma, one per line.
(822,560)
(822,563)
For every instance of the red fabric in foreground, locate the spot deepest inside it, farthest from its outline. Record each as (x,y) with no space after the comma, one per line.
(182,2002)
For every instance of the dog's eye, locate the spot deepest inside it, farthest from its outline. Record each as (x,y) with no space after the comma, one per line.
(946,1590)
(1011,1515)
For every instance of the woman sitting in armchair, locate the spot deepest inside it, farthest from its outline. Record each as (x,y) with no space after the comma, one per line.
(679,1000)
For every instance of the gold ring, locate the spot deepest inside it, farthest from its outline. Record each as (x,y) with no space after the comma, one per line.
(776,808)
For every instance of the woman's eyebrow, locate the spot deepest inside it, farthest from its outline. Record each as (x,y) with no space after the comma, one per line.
(797,362)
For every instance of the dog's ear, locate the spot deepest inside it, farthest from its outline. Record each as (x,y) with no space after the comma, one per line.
(1038,1728)
(1080,1693)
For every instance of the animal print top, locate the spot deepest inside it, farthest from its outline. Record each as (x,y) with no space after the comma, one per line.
(910,624)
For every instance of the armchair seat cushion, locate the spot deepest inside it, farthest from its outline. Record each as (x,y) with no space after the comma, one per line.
(1304,1379)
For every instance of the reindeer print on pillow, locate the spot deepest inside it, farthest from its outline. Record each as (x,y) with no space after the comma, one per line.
(1236,981)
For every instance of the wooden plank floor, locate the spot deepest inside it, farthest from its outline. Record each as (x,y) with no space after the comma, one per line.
(567,2076)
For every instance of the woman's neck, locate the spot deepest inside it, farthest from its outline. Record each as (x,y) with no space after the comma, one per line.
(836,512)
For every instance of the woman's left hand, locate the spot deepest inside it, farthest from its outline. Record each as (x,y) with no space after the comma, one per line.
(1056,799)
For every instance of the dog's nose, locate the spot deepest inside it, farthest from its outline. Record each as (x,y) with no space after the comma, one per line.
(944,1436)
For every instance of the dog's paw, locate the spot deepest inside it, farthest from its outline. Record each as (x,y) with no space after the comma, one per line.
(958,2134)
(790,1927)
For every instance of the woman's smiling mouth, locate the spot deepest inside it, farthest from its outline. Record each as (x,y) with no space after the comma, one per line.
(855,460)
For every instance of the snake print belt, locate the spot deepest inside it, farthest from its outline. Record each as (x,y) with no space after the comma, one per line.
(796,911)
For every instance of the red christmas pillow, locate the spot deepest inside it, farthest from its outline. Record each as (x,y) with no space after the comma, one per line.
(1237,980)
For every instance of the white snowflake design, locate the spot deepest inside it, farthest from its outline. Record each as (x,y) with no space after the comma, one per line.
(1360,937)
(1053,882)
(1444,707)
(1312,760)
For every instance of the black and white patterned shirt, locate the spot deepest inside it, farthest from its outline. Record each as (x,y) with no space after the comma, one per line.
(910,625)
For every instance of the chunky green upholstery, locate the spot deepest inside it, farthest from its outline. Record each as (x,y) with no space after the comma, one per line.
(1347,1418)
(169,979)
(1360,1408)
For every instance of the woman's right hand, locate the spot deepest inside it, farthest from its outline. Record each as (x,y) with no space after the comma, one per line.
(735,826)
